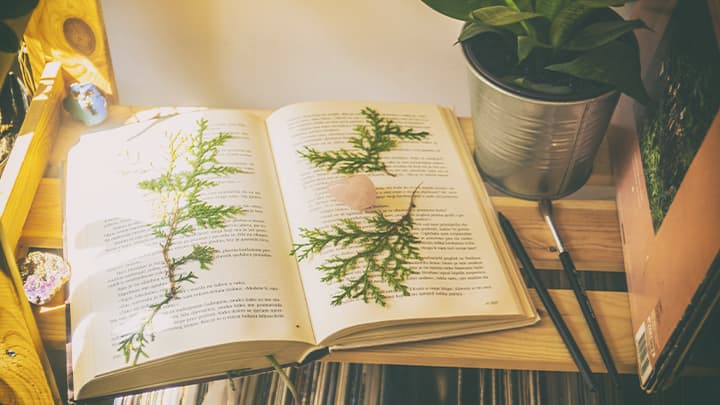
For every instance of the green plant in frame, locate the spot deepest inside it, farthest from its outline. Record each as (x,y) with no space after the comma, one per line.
(379,135)
(181,211)
(684,81)
(383,250)
(553,40)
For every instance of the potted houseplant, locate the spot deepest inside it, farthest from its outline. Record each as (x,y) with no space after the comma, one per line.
(545,77)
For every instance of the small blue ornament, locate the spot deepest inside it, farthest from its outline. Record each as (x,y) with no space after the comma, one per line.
(86,103)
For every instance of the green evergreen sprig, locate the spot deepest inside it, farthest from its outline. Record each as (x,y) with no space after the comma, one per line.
(379,135)
(177,193)
(384,250)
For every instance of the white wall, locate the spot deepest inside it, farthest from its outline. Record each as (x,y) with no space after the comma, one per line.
(263,54)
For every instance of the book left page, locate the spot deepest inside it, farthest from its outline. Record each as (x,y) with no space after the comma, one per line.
(121,239)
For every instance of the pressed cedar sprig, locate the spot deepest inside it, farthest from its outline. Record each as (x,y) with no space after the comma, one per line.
(177,194)
(383,250)
(378,135)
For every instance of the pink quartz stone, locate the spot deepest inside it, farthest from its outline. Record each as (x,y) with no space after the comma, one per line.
(357,192)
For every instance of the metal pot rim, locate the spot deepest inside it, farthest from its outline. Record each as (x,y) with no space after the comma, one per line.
(515,93)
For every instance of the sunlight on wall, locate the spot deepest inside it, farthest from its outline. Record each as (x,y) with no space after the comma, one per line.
(267,54)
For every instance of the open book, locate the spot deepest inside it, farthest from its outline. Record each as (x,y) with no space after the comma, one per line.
(256,300)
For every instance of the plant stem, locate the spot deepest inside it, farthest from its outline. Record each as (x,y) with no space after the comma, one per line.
(166,248)
(278,369)
(182,211)
(385,249)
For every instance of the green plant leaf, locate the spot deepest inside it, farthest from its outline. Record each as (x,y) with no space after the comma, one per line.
(549,8)
(525,45)
(601,65)
(571,13)
(16,8)
(601,33)
(513,30)
(522,5)
(565,21)
(8,40)
(474,29)
(458,9)
(501,15)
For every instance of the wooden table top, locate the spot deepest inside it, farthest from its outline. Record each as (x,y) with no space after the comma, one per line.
(589,227)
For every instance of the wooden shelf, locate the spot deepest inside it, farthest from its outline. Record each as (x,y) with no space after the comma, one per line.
(589,228)
(538,347)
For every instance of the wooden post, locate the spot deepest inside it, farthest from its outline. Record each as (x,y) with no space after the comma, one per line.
(22,378)
(18,184)
(71,32)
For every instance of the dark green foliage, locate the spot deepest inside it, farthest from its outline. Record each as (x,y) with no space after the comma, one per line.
(570,37)
(16,8)
(675,125)
(177,191)
(382,253)
(9,42)
(378,136)
(587,66)
(457,9)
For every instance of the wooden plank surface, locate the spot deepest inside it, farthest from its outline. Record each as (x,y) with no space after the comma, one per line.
(18,184)
(22,376)
(43,227)
(51,321)
(538,347)
(29,155)
(589,229)
(117,114)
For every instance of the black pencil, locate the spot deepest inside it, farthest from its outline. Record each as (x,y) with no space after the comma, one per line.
(589,315)
(545,206)
(547,301)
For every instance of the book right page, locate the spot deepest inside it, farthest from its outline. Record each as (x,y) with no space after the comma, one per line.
(462,272)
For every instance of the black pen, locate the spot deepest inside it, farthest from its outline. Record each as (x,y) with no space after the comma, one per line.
(547,301)
(580,294)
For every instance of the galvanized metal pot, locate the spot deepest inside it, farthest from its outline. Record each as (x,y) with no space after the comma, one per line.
(533,148)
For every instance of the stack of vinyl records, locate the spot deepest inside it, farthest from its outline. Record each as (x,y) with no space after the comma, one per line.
(325,383)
